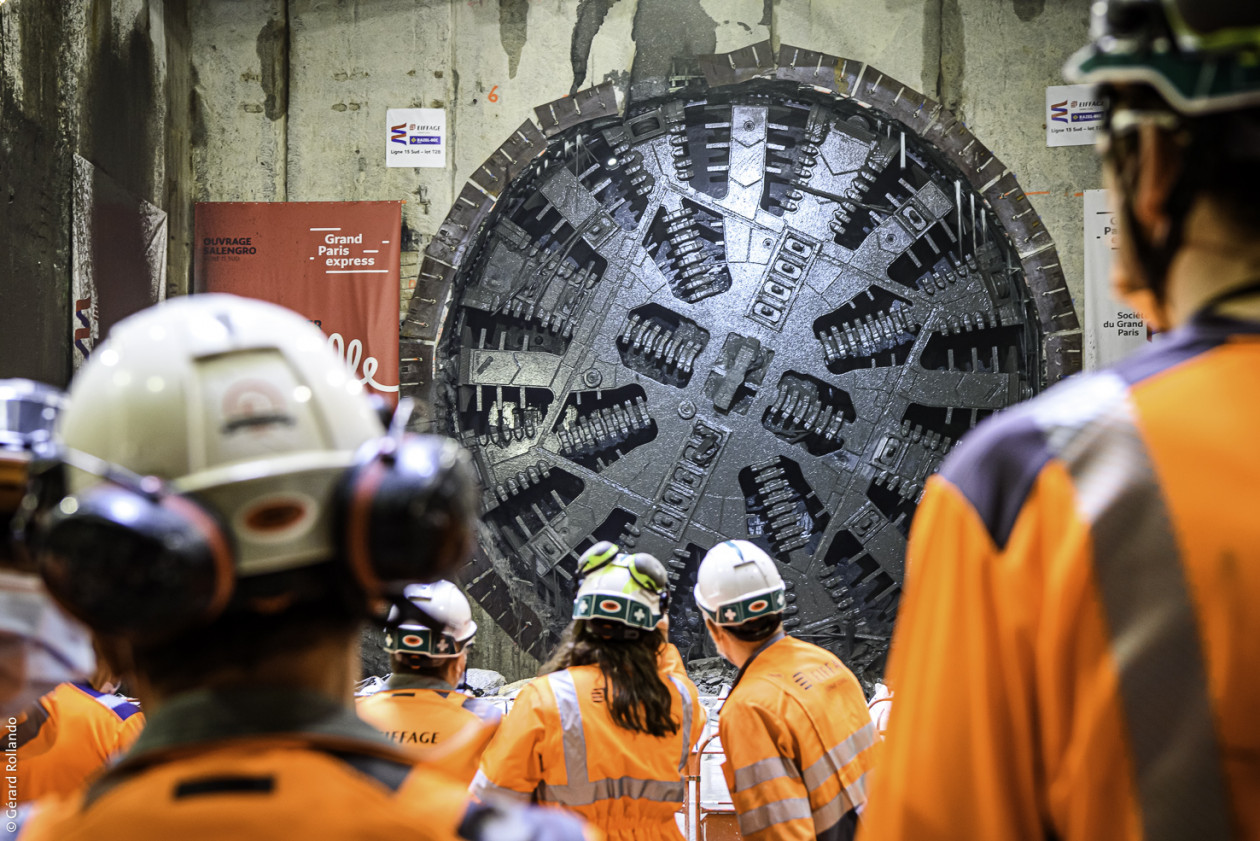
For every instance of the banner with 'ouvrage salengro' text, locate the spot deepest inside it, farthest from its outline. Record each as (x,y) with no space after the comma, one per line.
(336,263)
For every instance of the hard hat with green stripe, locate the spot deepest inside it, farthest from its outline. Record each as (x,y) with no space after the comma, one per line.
(738,582)
(1201,56)
(628,589)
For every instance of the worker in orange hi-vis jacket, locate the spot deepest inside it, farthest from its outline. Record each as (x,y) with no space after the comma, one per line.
(40,647)
(798,739)
(420,710)
(72,733)
(231,511)
(1076,656)
(605,731)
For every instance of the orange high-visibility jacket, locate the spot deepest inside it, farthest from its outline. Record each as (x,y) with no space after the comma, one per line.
(267,764)
(559,745)
(70,734)
(1078,652)
(444,729)
(798,742)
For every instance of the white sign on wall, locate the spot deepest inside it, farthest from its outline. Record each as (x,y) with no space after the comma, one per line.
(415,137)
(1073,115)
(1112,329)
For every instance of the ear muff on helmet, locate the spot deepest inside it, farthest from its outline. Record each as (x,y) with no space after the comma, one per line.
(597,557)
(406,512)
(142,563)
(650,574)
(136,558)
(45,487)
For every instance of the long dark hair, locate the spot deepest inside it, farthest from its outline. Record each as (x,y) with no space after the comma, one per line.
(638,697)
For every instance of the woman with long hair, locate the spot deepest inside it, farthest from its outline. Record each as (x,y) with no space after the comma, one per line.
(606,729)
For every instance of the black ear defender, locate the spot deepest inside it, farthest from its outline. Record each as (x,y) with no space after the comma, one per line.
(407,510)
(132,555)
(137,558)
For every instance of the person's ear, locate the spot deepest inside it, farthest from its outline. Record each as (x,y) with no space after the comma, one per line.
(1159,167)
(715,631)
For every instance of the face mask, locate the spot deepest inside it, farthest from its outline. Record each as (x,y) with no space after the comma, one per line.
(40,646)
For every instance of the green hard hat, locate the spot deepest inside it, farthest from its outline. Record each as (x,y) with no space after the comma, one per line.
(1201,56)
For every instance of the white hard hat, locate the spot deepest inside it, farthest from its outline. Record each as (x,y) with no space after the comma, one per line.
(629,589)
(445,604)
(236,401)
(737,582)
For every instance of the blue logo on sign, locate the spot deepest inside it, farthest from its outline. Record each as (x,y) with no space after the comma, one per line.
(1086,116)
(425,140)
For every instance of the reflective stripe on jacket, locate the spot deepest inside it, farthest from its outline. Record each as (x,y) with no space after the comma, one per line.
(559,745)
(68,736)
(446,730)
(799,743)
(1076,656)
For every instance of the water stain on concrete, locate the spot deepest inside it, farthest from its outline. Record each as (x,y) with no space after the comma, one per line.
(590,17)
(667,32)
(121,133)
(953,56)
(931,73)
(34,199)
(197,110)
(1028,10)
(273,57)
(513,31)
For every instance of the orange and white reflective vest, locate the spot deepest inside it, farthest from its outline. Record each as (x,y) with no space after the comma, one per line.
(445,729)
(558,745)
(799,744)
(69,735)
(258,765)
(1078,647)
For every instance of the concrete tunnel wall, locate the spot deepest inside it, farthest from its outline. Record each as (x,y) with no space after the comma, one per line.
(108,81)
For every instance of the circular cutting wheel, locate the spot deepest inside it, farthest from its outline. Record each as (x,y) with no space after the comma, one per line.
(753,311)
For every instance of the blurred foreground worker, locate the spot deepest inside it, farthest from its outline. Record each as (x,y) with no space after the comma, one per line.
(235,507)
(798,739)
(1076,657)
(606,730)
(73,729)
(420,710)
(40,647)
(71,733)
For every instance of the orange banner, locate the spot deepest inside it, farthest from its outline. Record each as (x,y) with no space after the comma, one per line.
(337,263)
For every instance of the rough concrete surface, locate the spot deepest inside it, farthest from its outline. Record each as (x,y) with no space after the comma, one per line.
(494,649)
(1007,56)
(899,37)
(104,80)
(238,150)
